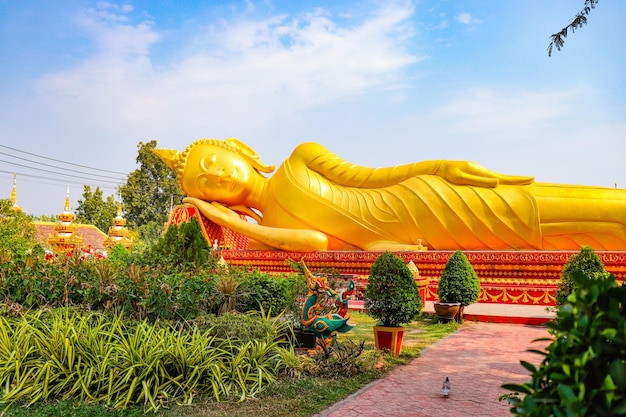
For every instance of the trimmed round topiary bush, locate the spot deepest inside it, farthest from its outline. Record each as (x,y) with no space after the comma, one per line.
(459,282)
(586,261)
(391,295)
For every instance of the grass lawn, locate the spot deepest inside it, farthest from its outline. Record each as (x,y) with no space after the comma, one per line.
(291,397)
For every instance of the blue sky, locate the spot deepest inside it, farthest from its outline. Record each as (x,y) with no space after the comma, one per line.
(379,83)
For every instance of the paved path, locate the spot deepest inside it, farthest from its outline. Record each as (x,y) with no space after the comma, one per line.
(478,359)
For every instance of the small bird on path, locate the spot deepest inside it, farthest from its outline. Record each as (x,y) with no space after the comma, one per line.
(445,390)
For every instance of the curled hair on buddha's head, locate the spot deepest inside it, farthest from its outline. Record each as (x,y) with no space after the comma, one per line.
(176,160)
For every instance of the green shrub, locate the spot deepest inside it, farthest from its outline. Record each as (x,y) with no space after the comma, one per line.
(391,295)
(343,359)
(182,248)
(266,291)
(459,282)
(583,372)
(119,255)
(17,234)
(245,327)
(586,261)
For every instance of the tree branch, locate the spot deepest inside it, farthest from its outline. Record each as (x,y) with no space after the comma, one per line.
(558,39)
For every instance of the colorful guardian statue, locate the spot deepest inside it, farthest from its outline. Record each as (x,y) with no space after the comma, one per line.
(317,201)
(323,324)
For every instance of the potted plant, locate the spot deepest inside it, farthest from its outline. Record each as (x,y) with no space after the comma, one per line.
(458,285)
(391,297)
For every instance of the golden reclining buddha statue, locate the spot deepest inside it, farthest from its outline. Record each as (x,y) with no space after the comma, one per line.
(317,201)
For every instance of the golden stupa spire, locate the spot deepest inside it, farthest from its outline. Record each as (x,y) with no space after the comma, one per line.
(67,200)
(118,233)
(14,205)
(65,238)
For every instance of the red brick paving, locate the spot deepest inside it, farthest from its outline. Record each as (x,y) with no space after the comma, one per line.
(478,359)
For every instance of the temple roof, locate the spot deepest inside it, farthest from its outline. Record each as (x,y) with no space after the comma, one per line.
(92,236)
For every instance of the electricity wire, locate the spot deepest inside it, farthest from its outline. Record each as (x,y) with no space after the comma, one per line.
(59,173)
(56,182)
(54,166)
(63,162)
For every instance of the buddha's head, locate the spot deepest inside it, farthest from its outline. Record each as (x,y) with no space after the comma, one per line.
(214,169)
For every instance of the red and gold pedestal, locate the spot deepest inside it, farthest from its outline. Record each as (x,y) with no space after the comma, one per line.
(389,338)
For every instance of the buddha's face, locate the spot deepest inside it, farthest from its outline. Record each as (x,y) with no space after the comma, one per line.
(213,173)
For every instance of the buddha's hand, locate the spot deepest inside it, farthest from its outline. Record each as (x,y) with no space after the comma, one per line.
(471,173)
(214,211)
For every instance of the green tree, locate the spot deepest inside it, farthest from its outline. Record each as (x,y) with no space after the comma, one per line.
(183,248)
(459,282)
(391,295)
(94,209)
(586,261)
(17,234)
(558,39)
(46,218)
(151,190)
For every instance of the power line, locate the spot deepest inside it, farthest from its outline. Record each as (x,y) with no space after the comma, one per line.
(54,166)
(59,182)
(63,162)
(58,173)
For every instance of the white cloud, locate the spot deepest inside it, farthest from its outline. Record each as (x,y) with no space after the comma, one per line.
(467,19)
(251,67)
(485,109)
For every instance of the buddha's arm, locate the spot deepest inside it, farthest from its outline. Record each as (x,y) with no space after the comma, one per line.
(296,240)
(319,159)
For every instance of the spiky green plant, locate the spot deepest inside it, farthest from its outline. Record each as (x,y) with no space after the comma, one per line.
(103,359)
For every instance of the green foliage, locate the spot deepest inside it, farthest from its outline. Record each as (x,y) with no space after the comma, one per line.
(391,295)
(230,293)
(17,234)
(583,372)
(586,261)
(93,209)
(268,292)
(151,190)
(70,409)
(459,282)
(182,248)
(106,285)
(104,359)
(558,39)
(119,255)
(343,359)
(288,396)
(296,290)
(46,218)
(150,233)
(176,296)
(253,325)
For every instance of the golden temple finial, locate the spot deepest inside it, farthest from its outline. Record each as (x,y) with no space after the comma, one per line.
(118,233)
(65,238)
(67,200)
(14,205)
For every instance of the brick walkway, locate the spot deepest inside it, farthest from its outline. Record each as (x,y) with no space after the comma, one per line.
(478,359)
